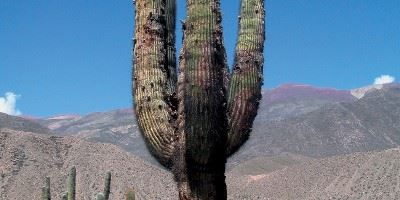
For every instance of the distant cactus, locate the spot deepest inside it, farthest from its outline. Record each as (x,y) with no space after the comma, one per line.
(64,196)
(100,196)
(71,184)
(130,195)
(46,190)
(71,187)
(107,185)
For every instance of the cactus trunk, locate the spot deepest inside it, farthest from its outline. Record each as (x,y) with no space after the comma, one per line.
(203,185)
(191,125)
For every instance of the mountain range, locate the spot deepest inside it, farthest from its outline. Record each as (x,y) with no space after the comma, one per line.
(306,143)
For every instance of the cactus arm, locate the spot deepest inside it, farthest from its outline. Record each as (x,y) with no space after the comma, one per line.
(107,185)
(153,105)
(246,79)
(71,184)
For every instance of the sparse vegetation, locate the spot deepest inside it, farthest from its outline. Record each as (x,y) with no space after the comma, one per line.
(71,187)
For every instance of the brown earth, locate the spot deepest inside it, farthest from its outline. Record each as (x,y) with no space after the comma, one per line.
(27,158)
(366,175)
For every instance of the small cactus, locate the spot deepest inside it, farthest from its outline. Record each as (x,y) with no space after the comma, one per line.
(71,185)
(100,196)
(46,190)
(107,183)
(130,194)
(64,196)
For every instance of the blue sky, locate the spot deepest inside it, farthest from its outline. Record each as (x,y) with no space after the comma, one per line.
(61,57)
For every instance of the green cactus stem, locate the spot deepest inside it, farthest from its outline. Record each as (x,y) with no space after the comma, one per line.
(64,196)
(107,185)
(151,78)
(100,196)
(46,190)
(130,194)
(71,187)
(193,123)
(71,184)
(245,84)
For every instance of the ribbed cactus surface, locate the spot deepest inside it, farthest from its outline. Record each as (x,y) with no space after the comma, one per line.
(194,119)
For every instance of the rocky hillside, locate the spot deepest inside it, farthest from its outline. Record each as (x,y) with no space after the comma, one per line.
(27,158)
(119,126)
(370,123)
(367,175)
(115,127)
(290,100)
(23,124)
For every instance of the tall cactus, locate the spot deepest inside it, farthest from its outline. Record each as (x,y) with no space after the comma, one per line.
(193,124)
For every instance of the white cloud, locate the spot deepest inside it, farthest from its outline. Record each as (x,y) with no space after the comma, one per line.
(8,104)
(384,79)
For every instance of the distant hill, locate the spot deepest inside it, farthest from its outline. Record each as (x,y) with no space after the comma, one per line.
(22,124)
(291,100)
(305,153)
(370,123)
(119,127)
(365,175)
(27,158)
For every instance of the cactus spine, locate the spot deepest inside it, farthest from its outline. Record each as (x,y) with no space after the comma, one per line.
(193,124)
